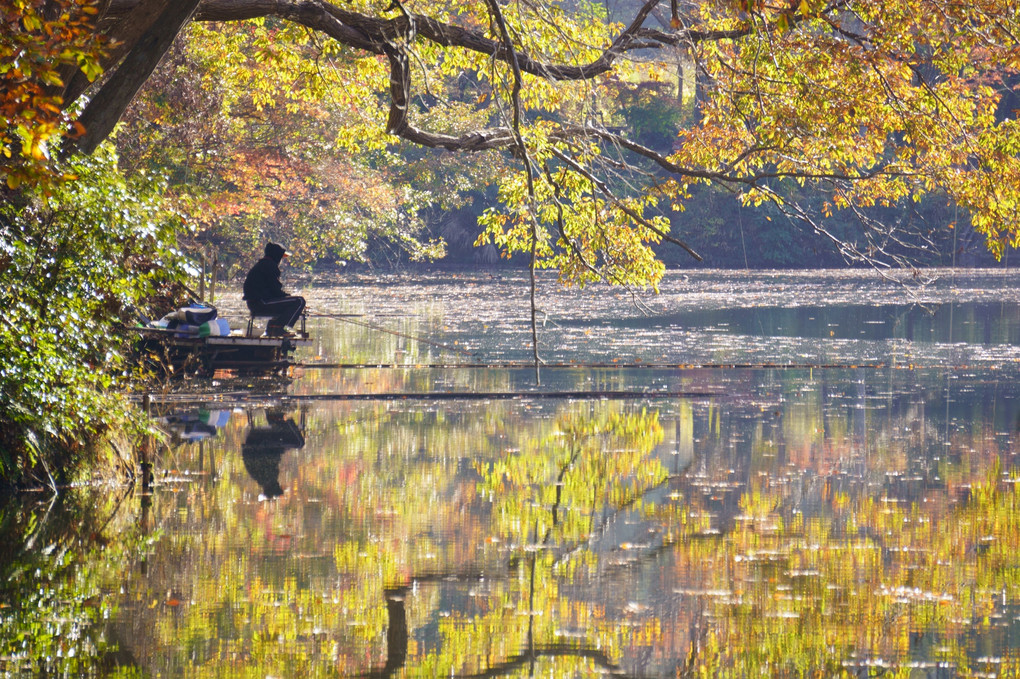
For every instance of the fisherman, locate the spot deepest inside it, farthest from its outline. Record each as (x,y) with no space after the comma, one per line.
(265,296)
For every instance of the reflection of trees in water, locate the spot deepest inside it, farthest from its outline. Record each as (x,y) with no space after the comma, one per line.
(55,562)
(397,636)
(500,537)
(900,434)
(572,470)
(863,486)
(815,442)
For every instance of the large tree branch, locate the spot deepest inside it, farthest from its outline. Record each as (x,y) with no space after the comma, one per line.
(374,34)
(360,31)
(388,37)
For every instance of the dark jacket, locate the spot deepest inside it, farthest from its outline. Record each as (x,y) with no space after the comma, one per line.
(263,281)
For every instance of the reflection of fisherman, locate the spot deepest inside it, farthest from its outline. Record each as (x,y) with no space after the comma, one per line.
(264,446)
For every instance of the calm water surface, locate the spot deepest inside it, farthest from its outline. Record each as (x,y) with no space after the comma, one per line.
(749,474)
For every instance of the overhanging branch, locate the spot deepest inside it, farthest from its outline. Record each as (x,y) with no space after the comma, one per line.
(373,34)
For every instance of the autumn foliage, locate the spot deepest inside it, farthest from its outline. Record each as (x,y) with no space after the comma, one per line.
(43,42)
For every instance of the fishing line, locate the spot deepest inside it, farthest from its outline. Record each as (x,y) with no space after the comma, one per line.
(350,318)
(339,316)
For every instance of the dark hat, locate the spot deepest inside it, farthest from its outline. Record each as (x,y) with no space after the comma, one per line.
(275,251)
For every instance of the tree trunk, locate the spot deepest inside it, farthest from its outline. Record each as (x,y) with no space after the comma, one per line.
(108,105)
(124,33)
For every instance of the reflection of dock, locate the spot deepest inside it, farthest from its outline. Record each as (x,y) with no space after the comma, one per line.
(242,398)
(525,365)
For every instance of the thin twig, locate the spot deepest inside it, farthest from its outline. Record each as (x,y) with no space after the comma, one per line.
(515,98)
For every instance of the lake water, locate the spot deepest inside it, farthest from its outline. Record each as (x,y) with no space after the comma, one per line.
(749,474)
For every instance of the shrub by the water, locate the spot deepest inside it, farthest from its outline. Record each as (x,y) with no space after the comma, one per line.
(77,256)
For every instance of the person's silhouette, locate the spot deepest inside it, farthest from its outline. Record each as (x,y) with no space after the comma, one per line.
(265,296)
(264,446)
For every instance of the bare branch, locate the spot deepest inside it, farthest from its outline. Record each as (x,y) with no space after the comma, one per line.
(561,228)
(522,148)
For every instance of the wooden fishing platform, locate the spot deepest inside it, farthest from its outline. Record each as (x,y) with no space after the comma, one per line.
(172,353)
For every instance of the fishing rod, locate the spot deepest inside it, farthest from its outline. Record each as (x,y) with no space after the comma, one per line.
(340,316)
(350,318)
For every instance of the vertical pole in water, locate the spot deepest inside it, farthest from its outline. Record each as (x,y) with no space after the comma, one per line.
(201,277)
(1003,328)
(743,245)
(952,293)
(212,278)
(531,601)
(529,171)
(143,519)
(396,629)
(145,464)
(534,320)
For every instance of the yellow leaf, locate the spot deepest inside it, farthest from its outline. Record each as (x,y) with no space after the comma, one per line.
(39,151)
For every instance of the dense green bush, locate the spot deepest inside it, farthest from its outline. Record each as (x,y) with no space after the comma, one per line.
(76,257)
